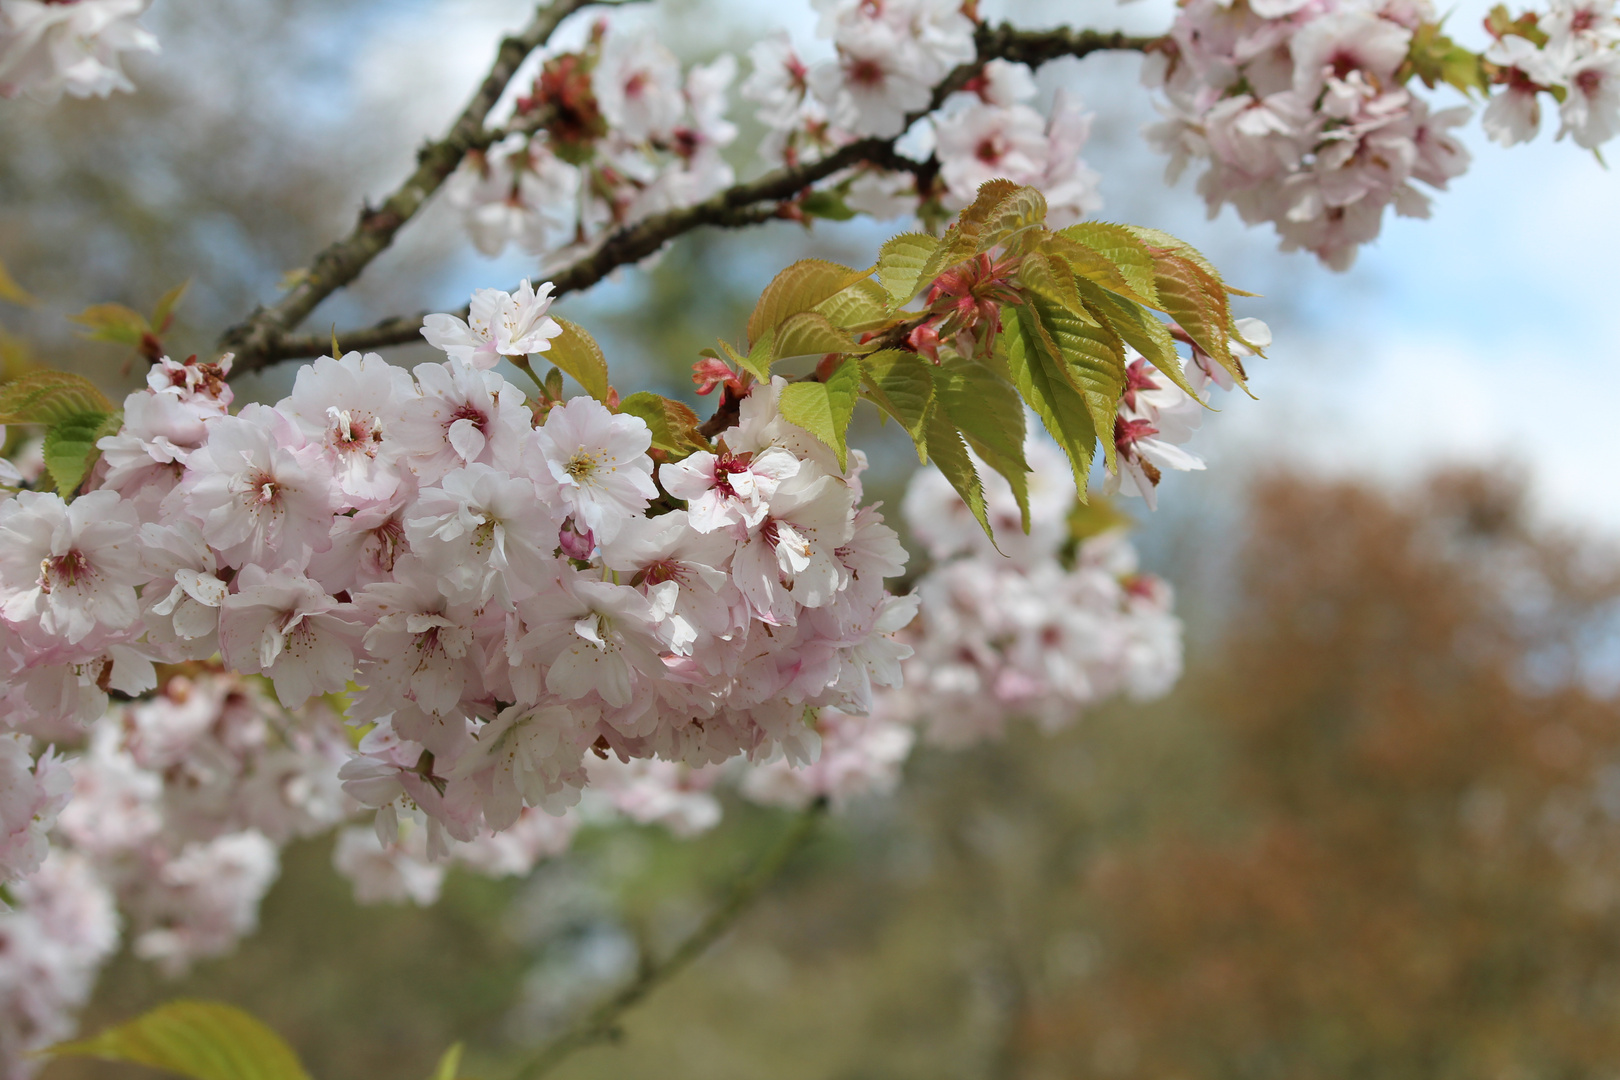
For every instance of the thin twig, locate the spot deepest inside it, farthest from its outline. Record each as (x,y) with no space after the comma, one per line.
(601,1024)
(342,261)
(734,207)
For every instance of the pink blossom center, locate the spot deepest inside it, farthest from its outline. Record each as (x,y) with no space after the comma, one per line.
(67,570)
(868,73)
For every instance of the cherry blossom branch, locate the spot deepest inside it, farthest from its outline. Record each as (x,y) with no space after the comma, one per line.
(735,207)
(343,261)
(602,1023)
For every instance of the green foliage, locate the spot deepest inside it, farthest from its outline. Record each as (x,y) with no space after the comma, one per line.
(986,409)
(449,1065)
(950,456)
(901,262)
(824,408)
(897,383)
(204,1040)
(674,425)
(1434,58)
(49,397)
(577,354)
(1500,23)
(800,287)
(810,333)
(1069,305)
(11,291)
(74,414)
(70,447)
(827,204)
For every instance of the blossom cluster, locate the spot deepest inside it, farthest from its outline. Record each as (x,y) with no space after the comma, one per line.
(52,47)
(890,56)
(1571,52)
(504,579)
(1299,109)
(744,638)
(607,135)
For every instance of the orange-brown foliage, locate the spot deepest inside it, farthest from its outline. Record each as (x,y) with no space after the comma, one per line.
(1428,881)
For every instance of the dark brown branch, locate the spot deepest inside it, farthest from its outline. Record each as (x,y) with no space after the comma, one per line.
(736,206)
(256,339)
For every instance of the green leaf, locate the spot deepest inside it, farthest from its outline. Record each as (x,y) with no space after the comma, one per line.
(1156,238)
(1043,382)
(1198,304)
(578,355)
(449,1065)
(674,426)
(1090,354)
(900,264)
(1090,265)
(826,204)
(862,308)
(70,447)
(798,288)
(901,384)
(986,409)
(1051,281)
(204,1040)
(824,408)
(48,397)
(1127,254)
(809,333)
(1142,331)
(163,314)
(1098,516)
(758,360)
(949,454)
(10,290)
(113,323)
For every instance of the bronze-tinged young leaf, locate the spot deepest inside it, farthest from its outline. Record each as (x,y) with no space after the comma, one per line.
(991,194)
(798,288)
(1142,331)
(205,1040)
(987,410)
(861,308)
(112,323)
(674,426)
(900,264)
(1128,255)
(70,447)
(163,313)
(577,354)
(901,384)
(950,456)
(1157,238)
(1043,383)
(13,292)
(1018,222)
(824,408)
(808,333)
(48,397)
(1198,304)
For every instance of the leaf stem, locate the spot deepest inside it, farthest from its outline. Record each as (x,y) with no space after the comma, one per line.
(601,1023)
